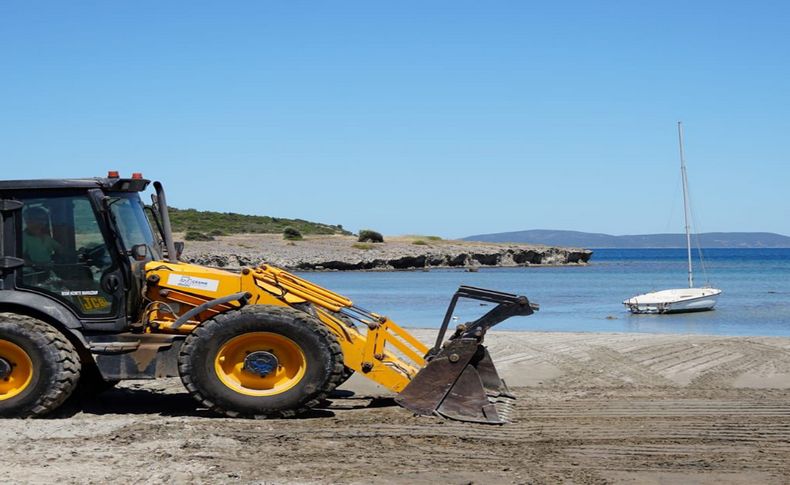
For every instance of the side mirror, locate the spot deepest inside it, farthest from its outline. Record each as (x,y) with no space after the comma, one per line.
(179,245)
(139,252)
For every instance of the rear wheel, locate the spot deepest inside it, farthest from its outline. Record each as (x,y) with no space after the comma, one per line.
(39,367)
(261,361)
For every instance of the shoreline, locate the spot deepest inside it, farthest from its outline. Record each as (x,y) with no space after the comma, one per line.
(462,269)
(580,333)
(344,253)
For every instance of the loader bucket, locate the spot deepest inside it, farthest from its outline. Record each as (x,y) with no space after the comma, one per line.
(459,380)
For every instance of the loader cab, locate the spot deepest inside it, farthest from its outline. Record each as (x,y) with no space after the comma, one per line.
(80,244)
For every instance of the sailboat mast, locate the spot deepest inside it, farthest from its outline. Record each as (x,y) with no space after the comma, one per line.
(684,177)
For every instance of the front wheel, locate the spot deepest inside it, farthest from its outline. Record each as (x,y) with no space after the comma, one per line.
(261,361)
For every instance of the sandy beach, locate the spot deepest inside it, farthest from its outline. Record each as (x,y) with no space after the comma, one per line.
(592,408)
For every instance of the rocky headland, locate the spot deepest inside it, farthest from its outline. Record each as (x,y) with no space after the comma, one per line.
(344,253)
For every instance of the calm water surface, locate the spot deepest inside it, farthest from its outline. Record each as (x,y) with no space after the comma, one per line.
(755,301)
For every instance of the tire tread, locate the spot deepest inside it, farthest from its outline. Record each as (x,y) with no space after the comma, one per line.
(64,355)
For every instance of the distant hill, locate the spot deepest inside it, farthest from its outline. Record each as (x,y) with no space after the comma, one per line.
(596,240)
(231,223)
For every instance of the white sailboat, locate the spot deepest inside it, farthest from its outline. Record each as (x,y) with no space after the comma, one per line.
(678,300)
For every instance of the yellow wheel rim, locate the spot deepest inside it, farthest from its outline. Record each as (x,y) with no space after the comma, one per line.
(229,364)
(21,370)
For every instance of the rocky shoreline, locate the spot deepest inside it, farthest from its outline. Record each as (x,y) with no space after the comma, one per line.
(343,253)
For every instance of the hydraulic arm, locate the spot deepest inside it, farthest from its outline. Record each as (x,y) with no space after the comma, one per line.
(456,378)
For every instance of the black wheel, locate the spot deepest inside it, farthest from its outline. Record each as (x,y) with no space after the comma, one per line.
(347,371)
(39,367)
(346,375)
(261,361)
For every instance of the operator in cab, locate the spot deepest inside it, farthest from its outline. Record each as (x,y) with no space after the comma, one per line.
(39,247)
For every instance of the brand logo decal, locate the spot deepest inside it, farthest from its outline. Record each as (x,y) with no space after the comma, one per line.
(185,281)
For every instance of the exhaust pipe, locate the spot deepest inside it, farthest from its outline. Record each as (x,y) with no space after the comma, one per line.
(161,202)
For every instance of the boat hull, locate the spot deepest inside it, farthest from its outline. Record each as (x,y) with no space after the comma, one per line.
(684,300)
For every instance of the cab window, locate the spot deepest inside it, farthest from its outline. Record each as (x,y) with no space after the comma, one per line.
(134,229)
(65,253)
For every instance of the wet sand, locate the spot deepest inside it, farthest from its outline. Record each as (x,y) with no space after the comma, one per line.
(592,408)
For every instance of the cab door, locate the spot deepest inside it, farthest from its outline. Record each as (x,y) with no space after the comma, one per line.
(67,257)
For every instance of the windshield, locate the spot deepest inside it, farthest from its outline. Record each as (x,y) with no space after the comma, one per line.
(133,225)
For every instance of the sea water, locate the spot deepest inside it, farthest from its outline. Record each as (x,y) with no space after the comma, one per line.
(755,298)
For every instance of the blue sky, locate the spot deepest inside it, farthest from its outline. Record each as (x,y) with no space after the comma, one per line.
(449,118)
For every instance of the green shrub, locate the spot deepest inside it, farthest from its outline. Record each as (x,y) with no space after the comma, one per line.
(433,238)
(197,236)
(217,232)
(368,235)
(292,234)
(420,242)
(232,223)
(363,246)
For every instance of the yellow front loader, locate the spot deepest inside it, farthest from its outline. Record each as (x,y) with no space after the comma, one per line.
(112,301)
